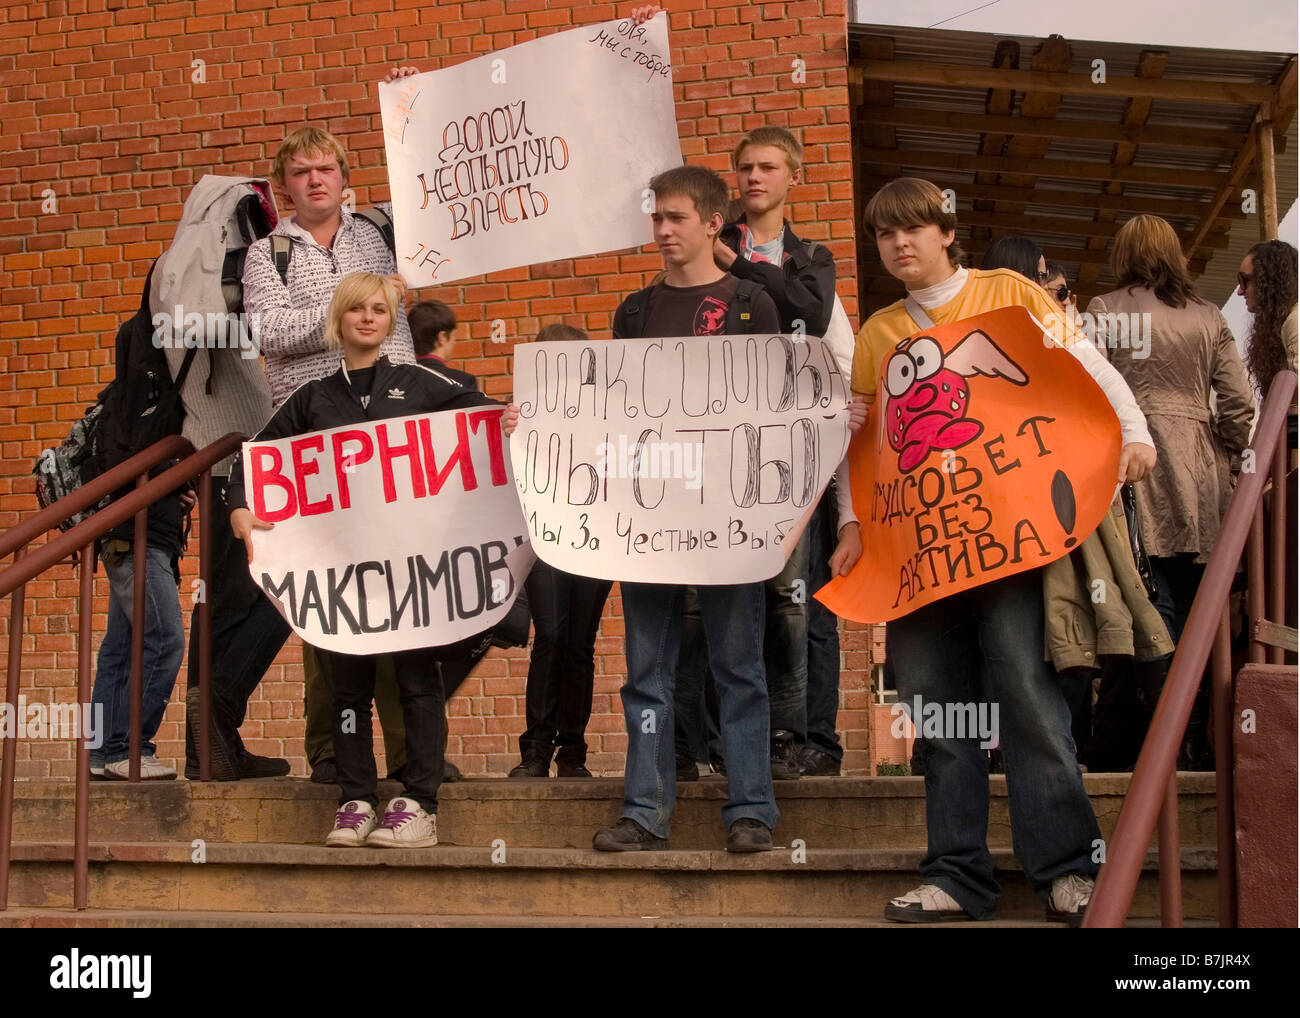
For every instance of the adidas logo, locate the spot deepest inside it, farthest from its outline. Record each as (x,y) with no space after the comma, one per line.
(396,394)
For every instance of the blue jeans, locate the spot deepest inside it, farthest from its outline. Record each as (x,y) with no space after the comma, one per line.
(990,641)
(785,643)
(823,635)
(733,626)
(164,647)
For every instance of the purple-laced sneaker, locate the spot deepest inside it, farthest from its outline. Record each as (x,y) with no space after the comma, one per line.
(352,824)
(405,825)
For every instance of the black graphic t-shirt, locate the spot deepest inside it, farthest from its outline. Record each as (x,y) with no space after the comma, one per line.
(700,310)
(361,380)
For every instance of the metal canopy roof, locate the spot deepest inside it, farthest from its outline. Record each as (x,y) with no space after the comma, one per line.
(1032,145)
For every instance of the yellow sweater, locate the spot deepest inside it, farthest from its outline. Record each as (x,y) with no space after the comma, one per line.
(985,290)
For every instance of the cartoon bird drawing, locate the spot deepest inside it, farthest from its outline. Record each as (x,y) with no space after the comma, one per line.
(929,393)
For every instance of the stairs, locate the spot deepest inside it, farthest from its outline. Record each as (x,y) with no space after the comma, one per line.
(518,853)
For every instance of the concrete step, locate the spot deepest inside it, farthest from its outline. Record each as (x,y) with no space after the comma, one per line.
(825,813)
(523,883)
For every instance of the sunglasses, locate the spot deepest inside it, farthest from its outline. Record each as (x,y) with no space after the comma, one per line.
(1061,293)
(1243,280)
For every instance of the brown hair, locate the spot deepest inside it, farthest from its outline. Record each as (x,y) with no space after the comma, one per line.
(779,137)
(911,201)
(698,183)
(354,288)
(306,140)
(1273,264)
(1147,253)
(559,332)
(427,320)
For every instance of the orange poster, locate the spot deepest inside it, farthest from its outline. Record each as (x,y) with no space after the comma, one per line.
(989,450)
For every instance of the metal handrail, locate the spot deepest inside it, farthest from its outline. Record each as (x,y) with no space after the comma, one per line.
(82,538)
(1205,629)
(170,448)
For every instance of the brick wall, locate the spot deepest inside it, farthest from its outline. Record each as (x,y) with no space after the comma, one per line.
(104,131)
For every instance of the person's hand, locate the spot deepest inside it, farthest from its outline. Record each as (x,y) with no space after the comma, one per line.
(723,256)
(242,525)
(397,280)
(848,550)
(188,500)
(510,420)
(857,414)
(399,72)
(640,15)
(1135,461)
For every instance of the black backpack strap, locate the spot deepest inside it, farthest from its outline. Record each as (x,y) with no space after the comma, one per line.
(740,312)
(634,313)
(281,252)
(382,222)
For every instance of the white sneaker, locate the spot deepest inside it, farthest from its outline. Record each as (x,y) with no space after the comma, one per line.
(1069,898)
(352,823)
(406,825)
(926,904)
(150,770)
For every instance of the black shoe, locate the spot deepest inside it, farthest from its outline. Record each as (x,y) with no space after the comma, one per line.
(818,764)
(224,745)
(451,773)
(785,756)
(326,772)
(687,769)
(627,836)
(748,835)
(571,770)
(531,769)
(253,766)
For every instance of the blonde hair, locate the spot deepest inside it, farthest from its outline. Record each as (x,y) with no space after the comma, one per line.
(778,137)
(304,141)
(352,290)
(1147,253)
(911,201)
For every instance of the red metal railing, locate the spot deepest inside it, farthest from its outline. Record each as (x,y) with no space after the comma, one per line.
(1205,638)
(81,540)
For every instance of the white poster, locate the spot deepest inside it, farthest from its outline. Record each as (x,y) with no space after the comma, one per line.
(685,461)
(537,152)
(389,535)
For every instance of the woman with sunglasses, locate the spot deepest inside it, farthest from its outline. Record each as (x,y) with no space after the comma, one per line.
(1268,282)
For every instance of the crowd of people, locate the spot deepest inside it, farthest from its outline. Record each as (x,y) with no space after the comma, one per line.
(739,678)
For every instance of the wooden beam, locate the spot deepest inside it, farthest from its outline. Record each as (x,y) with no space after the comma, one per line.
(1268,177)
(908,72)
(1044,127)
(998,102)
(1069,169)
(1231,182)
(1167,207)
(1009,222)
(1284,104)
(1052,56)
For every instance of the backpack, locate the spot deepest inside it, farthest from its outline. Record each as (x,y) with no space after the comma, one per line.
(739,311)
(282,246)
(139,407)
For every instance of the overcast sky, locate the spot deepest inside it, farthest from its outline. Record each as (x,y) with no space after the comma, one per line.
(1268,25)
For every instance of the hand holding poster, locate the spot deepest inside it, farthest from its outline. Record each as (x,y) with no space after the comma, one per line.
(989,450)
(684,461)
(533,153)
(389,535)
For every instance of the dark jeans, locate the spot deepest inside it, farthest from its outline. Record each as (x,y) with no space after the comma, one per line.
(1177,580)
(247,629)
(823,635)
(566,613)
(987,643)
(419,687)
(697,729)
(785,643)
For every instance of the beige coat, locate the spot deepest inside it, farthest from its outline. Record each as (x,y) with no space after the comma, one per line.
(1172,361)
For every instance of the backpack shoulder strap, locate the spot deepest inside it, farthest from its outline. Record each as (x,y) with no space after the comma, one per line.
(740,312)
(919,316)
(281,252)
(634,313)
(382,222)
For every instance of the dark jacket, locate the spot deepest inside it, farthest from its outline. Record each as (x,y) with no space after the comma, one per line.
(396,390)
(803,287)
(435,362)
(166,520)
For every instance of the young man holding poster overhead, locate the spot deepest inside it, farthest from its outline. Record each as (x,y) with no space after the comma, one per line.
(989,638)
(695,298)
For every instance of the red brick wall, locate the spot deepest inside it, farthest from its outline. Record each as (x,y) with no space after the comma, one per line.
(99,107)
